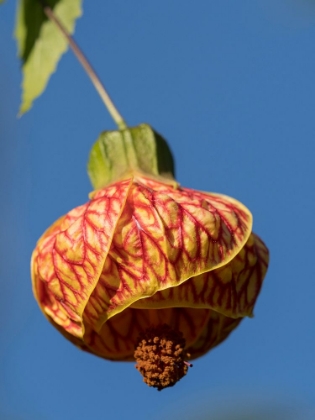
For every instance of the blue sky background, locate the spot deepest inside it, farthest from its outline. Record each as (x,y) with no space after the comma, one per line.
(231,85)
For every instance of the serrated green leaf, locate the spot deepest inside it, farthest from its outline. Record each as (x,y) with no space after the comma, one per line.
(40,43)
(138,149)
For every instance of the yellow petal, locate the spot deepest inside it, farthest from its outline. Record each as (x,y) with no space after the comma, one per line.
(217,330)
(165,235)
(231,290)
(118,337)
(69,257)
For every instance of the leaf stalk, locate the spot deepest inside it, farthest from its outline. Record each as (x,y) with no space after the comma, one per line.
(88,68)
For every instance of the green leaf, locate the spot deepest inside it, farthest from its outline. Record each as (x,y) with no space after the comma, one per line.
(137,149)
(40,43)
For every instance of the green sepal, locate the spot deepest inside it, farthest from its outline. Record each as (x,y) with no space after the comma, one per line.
(137,149)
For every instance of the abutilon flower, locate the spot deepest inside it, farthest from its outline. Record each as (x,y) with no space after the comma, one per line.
(150,271)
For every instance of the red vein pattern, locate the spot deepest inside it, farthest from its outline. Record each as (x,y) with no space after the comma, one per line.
(69,258)
(217,330)
(231,289)
(142,251)
(165,236)
(118,336)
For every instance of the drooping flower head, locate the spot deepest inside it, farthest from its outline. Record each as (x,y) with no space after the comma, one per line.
(149,270)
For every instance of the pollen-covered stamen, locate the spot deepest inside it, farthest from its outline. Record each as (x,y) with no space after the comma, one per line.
(160,355)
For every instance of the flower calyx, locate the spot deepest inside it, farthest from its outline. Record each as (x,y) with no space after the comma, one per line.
(120,153)
(160,355)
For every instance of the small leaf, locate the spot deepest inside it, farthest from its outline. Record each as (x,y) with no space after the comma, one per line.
(40,44)
(117,153)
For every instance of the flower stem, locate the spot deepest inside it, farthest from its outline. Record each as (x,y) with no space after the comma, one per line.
(88,68)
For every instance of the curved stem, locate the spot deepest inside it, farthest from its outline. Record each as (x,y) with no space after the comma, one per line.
(88,68)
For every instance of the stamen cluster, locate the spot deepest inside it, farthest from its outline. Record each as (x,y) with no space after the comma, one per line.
(160,356)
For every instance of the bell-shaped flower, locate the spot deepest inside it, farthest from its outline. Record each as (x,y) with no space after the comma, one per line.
(151,271)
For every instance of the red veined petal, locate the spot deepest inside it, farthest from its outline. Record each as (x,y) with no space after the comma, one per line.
(119,335)
(165,235)
(217,330)
(231,290)
(69,257)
